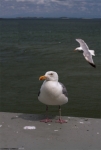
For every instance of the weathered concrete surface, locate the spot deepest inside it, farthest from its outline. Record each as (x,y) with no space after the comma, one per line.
(76,134)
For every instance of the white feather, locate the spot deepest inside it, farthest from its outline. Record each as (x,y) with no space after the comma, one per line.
(92,52)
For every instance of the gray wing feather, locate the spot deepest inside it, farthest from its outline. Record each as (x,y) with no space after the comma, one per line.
(83,45)
(64,90)
(88,57)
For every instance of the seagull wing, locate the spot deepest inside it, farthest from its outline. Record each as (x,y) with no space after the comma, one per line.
(83,45)
(64,90)
(89,59)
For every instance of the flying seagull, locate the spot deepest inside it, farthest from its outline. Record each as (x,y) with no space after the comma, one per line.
(86,52)
(52,92)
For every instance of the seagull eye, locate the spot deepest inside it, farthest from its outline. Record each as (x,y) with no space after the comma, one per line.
(51,74)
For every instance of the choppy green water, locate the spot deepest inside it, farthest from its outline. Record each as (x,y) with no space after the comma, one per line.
(29,48)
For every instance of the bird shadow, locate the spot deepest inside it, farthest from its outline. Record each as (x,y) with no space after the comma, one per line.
(33,117)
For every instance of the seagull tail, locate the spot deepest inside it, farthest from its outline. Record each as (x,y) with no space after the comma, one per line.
(92,52)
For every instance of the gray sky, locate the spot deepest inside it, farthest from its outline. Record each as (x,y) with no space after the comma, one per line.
(50,8)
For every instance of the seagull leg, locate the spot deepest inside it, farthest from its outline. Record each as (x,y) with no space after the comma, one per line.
(60,120)
(46,120)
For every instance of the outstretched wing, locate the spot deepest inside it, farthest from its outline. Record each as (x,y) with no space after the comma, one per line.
(89,59)
(84,46)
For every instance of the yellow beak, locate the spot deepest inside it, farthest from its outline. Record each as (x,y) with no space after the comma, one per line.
(42,77)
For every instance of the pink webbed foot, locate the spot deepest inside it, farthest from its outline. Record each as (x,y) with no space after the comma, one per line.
(61,121)
(46,120)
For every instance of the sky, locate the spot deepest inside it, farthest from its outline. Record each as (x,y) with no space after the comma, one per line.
(50,8)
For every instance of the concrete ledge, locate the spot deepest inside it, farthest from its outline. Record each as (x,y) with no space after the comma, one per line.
(26,132)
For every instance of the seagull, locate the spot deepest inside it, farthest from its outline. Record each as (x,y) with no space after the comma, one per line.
(52,92)
(86,52)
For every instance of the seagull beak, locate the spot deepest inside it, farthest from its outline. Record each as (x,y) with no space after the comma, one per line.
(42,77)
(74,50)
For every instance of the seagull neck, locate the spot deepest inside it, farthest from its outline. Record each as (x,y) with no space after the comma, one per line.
(52,80)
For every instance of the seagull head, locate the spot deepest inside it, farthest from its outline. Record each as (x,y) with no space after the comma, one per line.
(78,49)
(49,76)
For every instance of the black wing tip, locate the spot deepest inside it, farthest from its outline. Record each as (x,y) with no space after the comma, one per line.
(93,65)
(38,93)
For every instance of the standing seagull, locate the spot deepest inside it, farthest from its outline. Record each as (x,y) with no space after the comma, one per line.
(52,92)
(86,52)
